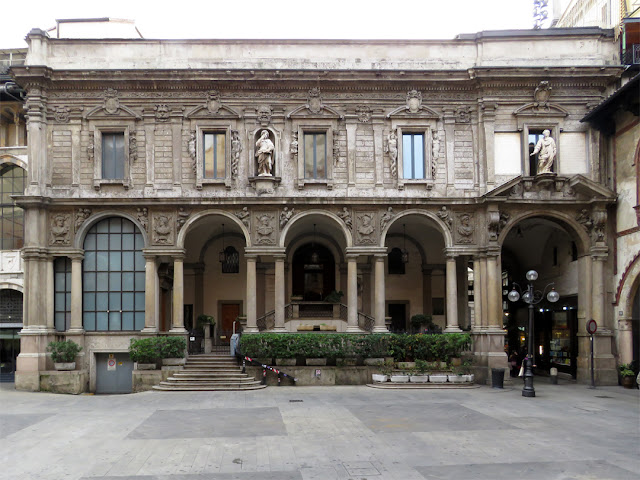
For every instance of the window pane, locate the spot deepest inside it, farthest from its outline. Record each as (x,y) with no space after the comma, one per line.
(418,155)
(127,301)
(209,155)
(127,261)
(115,261)
(101,302)
(90,242)
(139,319)
(102,282)
(308,155)
(115,225)
(59,281)
(102,261)
(127,241)
(89,282)
(114,301)
(115,241)
(114,281)
(127,282)
(115,321)
(321,155)
(102,321)
(220,155)
(59,321)
(139,282)
(89,301)
(127,321)
(407,156)
(89,321)
(113,155)
(139,301)
(103,242)
(139,261)
(139,241)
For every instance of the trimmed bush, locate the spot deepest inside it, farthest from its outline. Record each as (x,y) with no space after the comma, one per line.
(172,347)
(149,350)
(430,347)
(63,352)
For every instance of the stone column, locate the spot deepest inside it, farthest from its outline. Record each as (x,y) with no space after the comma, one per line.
(449,132)
(463,291)
(49,287)
(452,296)
(625,339)
(380,326)
(494,293)
(252,326)
(598,290)
(76,294)
(352,293)
(279,293)
(177,319)
(150,297)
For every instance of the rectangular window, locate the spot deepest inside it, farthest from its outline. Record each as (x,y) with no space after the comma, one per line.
(413,156)
(214,156)
(62,293)
(113,155)
(315,155)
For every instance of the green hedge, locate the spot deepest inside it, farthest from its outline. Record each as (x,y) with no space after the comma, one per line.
(149,350)
(430,347)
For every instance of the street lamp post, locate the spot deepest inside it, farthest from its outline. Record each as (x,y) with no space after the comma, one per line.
(531,297)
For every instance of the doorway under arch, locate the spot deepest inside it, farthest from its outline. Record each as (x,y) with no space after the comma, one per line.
(313,275)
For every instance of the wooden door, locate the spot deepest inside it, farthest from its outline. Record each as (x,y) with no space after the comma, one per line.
(229,313)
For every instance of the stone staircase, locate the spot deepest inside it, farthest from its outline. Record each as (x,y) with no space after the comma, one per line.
(209,372)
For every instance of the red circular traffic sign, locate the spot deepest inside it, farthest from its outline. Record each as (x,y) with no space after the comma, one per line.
(592,326)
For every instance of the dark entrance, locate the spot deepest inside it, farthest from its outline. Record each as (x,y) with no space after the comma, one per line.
(313,272)
(228,314)
(398,314)
(10,325)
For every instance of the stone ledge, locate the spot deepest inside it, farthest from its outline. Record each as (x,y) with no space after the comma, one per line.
(72,382)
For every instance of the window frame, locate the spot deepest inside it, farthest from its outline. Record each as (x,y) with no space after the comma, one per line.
(12,205)
(65,290)
(426,129)
(311,127)
(214,128)
(108,128)
(314,134)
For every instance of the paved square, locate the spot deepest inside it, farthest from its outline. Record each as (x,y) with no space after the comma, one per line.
(211,423)
(567,432)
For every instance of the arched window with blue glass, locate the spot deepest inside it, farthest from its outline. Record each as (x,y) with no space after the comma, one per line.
(113,277)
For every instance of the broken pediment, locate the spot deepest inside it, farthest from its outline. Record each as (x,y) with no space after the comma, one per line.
(111,108)
(551,187)
(414,108)
(315,106)
(213,107)
(536,110)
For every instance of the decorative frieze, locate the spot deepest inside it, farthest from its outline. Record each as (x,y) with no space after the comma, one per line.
(61,114)
(111,102)
(364,113)
(162,112)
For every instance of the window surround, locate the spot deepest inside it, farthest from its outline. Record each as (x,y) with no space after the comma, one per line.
(311,127)
(98,131)
(427,131)
(555,134)
(211,127)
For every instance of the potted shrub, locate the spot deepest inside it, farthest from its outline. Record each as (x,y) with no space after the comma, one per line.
(420,372)
(64,354)
(466,371)
(386,369)
(626,374)
(144,352)
(172,350)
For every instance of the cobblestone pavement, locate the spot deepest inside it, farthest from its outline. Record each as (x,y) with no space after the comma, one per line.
(323,433)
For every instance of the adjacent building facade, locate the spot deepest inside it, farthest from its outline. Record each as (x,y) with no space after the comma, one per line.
(248,180)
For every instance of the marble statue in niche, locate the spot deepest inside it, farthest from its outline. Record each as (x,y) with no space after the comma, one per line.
(264,154)
(392,149)
(546,151)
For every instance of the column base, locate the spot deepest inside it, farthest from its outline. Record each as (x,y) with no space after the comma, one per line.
(75,331)
(279,329)
(251,330)
(149,330)
(380,329)
(452,330)
(178,331)
(353,329)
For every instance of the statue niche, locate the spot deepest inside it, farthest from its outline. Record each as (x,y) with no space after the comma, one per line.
(265,153)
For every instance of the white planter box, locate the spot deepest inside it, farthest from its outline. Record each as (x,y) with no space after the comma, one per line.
(456,379)
(378,378)
(65,366)
(419,378)
(400,378)
(438,378)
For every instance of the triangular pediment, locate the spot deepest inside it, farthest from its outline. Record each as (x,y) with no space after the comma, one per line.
(551,187)
(121,111)
(536,109)
(422,112)
(202,111)
(322,110)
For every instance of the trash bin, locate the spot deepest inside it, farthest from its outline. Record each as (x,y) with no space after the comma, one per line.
(233,344)
(497,378)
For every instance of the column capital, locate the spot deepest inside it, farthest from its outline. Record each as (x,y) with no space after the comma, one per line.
(380,257)
(251,257)
(280,257)
(352,257)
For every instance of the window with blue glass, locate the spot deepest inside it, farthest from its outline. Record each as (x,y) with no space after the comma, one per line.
(113,277)
(113,155)
(62,293)
(12,182)
(413,158)
(315,155)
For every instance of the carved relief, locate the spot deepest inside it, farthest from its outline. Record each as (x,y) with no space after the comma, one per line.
(392,150)
(143,218)
(293,146)
(517,190)
(90,147)
(236,148)
(314,100)
(111,102)
(245,217)
(264,114)
(162,113)
(9,261)
(414,101)
(213,101)
(364,113)
(133,147)
(81,216)
(60,230)
(463,114)
(183,215)
(265,231)
(336,147)
(386,217)
(465,228)
(435,154)
(191,147)
(366,231)
(61,114)
(541,94)
(285,216)
(162,231)
(345,215)
(495,223)
(445,216)
(593,224)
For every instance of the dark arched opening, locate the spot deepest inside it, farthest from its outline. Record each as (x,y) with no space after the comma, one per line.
(313,272)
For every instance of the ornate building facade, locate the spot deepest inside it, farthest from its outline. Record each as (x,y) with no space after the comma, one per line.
(253,178)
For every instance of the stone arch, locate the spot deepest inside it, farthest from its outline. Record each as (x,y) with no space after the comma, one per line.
(12,285)
(92,220)
(575,230)
(325,240)
(444,230)
(194,218)
(414,242)
(6,158)
(213,240)
(339,223)
(628,283)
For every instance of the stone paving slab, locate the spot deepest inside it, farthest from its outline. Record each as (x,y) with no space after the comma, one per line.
(566,432)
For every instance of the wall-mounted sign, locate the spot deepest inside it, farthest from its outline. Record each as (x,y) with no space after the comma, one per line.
(592,327)
(111,362)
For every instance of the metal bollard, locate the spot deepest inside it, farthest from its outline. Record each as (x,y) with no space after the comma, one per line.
(553,372)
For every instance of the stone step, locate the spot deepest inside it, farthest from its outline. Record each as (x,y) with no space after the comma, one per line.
(201,381)
(208,388)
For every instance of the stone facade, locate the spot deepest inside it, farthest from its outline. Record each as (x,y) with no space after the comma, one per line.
(423,151)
